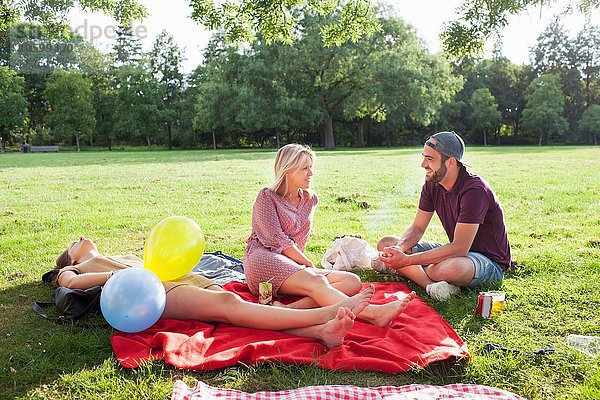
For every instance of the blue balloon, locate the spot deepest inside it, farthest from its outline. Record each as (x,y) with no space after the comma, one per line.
(133,300)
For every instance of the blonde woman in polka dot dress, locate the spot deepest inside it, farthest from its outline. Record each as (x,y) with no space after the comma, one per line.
(281,221)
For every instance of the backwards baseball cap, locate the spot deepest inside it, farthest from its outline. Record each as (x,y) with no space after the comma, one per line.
(449,144)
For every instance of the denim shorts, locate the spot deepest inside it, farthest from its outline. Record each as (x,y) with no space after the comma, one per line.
(486,271)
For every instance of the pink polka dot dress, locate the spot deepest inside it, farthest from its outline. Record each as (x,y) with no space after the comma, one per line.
(276,225)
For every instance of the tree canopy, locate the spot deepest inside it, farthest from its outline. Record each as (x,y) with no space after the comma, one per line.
(278,20)
(479,20)
(51,15)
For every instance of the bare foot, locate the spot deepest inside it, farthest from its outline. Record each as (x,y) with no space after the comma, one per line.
(359,301)
(332,333)
(383,314)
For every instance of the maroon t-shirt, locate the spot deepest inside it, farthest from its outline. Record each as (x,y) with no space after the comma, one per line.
(471,201)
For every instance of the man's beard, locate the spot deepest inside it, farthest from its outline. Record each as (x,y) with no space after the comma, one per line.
(439,174)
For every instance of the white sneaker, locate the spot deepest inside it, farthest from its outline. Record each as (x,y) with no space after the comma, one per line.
(442,290)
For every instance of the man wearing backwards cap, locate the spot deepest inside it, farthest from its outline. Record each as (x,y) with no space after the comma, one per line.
(478,251)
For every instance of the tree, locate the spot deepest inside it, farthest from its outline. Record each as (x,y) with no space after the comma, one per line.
(265,90)
(13,104)
(267,104)
(69,95)
(551,53)
(398,81)
(388,74)
(587,61)
(216,92)
(52,14)
(278,20)
(576,62)
(480,19)
(542,114)
(485,116)
(98,69)
(165,62)
(507,83)
(138,112)
(589,125)
(127,47)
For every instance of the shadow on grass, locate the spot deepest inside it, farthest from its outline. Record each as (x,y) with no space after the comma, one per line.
(37,351)
(277,376)
(21,161)
(126,157)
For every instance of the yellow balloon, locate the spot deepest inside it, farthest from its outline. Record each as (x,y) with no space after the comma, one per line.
(173,248)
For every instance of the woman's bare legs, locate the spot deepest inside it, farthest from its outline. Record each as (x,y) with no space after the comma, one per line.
(346,282)
(332,332)
(189,302)
(307,283)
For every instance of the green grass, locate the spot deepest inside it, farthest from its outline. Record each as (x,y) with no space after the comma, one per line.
(550,195)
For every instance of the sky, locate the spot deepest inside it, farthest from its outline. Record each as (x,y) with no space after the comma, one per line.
(427,16)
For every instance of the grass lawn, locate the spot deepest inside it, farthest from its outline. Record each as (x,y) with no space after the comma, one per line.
(551,198)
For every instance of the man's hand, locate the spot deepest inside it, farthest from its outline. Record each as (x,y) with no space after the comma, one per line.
(394,257)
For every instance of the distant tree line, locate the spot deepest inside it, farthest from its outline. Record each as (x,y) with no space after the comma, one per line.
(382,90)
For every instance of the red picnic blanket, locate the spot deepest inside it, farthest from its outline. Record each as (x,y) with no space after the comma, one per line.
(418,336)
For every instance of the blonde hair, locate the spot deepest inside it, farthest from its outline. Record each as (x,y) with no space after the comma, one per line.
(290,158)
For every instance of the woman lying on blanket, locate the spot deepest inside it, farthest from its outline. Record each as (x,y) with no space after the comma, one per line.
(195,297)
(281,221)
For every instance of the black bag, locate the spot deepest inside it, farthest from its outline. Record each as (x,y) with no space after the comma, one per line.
(72,304)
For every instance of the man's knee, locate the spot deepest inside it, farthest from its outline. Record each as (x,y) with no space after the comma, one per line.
(459,270)
(387,241)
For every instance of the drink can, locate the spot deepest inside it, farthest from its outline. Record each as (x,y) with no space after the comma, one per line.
(265,292)
(484,305)
(490,304)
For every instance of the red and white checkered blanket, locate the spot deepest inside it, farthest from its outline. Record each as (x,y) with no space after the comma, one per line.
(342,392)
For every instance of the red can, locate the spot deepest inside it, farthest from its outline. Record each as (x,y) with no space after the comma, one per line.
(484,305)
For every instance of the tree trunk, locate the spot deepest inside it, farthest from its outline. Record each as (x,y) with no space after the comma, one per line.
(328,139)
(214,141)
(277,137)
(170,136)
(368,141)
(360,133)
(148,141)
(77,140)
(1,145)
(541,137)
(485,137)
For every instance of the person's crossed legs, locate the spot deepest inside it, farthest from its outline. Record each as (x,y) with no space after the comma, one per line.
(473,270)
(317,287)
